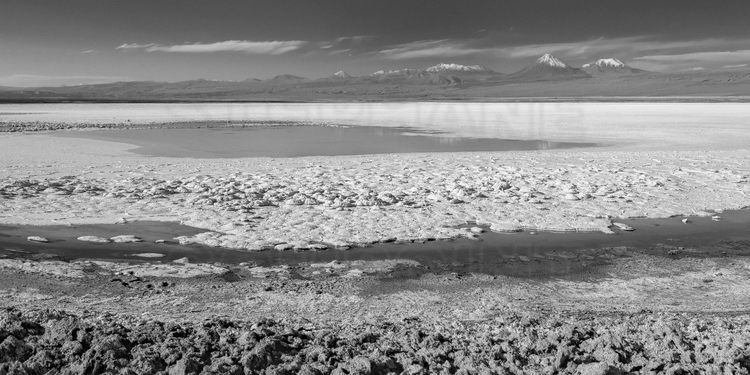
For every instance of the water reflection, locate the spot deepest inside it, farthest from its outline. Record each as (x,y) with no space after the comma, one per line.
(305,140)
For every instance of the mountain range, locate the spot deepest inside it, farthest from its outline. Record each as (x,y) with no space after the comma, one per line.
(548,76)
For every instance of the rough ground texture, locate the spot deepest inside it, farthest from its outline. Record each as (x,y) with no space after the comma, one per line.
(256,204)
(34,343)
(661,310)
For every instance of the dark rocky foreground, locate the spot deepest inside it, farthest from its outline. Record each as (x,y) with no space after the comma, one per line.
(59,343)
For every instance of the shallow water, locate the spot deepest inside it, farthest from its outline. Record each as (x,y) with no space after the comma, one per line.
(524,254)
(640,125)
(302,140)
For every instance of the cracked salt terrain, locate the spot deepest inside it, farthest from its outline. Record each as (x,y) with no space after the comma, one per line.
(667,166)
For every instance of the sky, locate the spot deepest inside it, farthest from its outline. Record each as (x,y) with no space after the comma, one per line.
(55,42)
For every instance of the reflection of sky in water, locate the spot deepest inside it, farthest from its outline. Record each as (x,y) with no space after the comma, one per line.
(679,124)
(496,253)
(303,140)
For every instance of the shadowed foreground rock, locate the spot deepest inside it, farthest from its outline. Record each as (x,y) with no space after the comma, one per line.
(37,342)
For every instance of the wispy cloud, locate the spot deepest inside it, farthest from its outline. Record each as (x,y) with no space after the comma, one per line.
(346,44)
(38,80)
(706,59)
(431,48)
(271,47)
(456,48)
(647,51)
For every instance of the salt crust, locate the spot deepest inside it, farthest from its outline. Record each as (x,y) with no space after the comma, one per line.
(79,269)
(257,204)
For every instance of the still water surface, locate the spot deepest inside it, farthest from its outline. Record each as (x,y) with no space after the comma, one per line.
(303,140)
(630,125)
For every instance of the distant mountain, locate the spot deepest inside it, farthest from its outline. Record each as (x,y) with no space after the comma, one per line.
(286,79)
(441,74)
(547,68)
(453,68)
(413,76)
(609,66)
(396,72)
(341,75)
(546,77)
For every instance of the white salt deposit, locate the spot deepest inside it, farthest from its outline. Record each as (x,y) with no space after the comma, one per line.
(623,227)
(261,203)
(79,269)
(125,238)
(96,239)
(149,255)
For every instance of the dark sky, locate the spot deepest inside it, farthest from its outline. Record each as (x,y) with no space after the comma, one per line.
(54,42)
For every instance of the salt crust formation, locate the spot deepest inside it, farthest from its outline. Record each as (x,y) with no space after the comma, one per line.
(319,202)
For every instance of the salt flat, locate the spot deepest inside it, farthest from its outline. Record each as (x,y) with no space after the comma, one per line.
(641,125)
(655,160)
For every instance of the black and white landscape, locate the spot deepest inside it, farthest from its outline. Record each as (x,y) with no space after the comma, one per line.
(547,78)
(357,187)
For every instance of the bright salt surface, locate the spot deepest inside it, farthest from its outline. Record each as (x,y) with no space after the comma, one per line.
(256,203)
(656,126)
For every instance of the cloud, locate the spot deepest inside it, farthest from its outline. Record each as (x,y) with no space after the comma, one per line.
(705,59)
(741,55)
(647,52)
(38,80)
(623,45)
(135,46)
(345,51)
(430,48)
(271,47)
(734,66)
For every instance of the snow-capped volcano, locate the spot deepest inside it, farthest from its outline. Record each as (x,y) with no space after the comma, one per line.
(341,74)
(609,66)
(547,67)
(444,67)
(552,61)
(606,63)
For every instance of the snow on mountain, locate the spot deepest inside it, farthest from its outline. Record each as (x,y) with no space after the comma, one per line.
(609,66)
(552,61)
(395,72)
(545,68)
(341,74)
(285,78)
(606,63)
(444,67)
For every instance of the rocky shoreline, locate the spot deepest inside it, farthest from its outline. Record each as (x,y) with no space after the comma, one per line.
(37,342)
